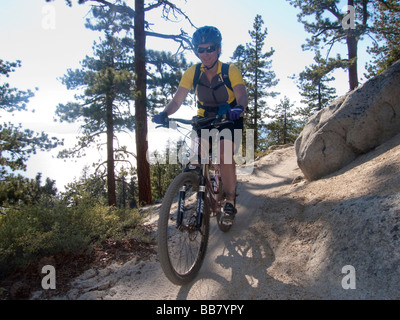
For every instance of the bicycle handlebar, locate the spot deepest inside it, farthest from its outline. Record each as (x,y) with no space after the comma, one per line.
(199,122)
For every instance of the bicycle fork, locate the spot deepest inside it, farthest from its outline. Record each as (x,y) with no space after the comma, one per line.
(181,206)
(200,201)
(199,205)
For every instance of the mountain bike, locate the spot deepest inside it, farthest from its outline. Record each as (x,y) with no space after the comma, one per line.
(191,199)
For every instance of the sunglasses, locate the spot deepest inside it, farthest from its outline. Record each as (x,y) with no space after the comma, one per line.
(208,49)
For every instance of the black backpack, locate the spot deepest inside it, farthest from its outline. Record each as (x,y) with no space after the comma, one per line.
(224,73)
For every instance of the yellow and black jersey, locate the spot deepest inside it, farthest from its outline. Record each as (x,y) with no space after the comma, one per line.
(215,93)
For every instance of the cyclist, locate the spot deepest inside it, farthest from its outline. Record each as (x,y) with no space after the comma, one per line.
(214,97)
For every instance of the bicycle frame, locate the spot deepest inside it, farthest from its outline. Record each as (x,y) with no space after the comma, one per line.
(215,196)
(206,191)
(206,188)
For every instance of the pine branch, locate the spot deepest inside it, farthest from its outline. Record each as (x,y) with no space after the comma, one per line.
(118,8)
(182,38)
(170,5)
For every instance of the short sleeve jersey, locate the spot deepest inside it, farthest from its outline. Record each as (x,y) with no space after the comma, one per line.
(212,94)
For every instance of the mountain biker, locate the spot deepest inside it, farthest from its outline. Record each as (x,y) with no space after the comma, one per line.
(214,98)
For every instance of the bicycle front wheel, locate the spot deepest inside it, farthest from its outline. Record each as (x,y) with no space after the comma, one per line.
(182,246)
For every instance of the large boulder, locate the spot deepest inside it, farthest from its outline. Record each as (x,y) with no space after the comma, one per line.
(352,125)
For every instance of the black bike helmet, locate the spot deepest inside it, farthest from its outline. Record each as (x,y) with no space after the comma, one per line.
(207,34)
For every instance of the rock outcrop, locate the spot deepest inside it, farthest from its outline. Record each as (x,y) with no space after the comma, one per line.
(352,125)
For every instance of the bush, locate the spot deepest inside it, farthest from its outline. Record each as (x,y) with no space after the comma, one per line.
(30,232)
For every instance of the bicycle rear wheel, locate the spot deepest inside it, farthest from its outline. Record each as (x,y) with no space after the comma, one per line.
(182,248)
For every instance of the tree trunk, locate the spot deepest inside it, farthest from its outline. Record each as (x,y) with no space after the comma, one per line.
(112,198)
(143,166)
(256,99)
(256,117)
(352,43)
(285,127)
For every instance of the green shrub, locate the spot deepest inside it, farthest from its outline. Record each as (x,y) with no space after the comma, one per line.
(30,232)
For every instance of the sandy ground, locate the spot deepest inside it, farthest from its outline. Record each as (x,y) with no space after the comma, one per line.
(291,239)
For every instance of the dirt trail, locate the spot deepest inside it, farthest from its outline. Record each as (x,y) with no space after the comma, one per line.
(287,242)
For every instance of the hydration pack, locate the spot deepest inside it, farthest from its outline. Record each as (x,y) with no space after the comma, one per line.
(224,74)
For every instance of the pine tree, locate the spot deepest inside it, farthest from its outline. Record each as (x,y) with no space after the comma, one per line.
(329,26)
(12,99)
(256,66)
(164,74)
(104,105)
(386,50)
(17,190)
(283,127)
(163,171)
(137,15)
(17,144)
(313,83)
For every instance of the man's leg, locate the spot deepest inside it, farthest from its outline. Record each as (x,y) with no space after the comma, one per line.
(228,175)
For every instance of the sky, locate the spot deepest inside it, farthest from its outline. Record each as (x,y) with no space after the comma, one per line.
(50,38)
